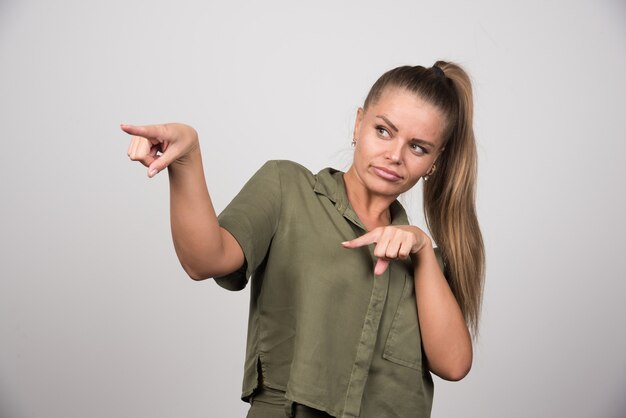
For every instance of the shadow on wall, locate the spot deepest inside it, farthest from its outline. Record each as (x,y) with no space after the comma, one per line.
(619,400)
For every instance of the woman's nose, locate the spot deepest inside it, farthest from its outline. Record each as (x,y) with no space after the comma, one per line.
(394,153)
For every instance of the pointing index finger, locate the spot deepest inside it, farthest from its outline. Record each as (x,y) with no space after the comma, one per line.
(365,239)
(154,132)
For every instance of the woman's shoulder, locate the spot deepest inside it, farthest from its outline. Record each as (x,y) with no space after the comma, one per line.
(288,171)
(288,166)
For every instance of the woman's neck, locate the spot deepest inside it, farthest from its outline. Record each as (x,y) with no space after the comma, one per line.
(372,209)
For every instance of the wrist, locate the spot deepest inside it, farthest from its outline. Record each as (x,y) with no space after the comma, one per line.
(425,247)
(427,243)
(190,158)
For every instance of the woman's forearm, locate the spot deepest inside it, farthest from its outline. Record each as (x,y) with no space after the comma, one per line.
(445,336)
(203,248)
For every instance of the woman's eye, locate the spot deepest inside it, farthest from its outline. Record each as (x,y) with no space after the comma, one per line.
(417,149)
(382,132)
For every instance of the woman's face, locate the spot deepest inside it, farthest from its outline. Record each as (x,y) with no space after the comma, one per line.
(398,139)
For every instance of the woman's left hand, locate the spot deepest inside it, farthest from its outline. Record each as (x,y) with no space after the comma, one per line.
(392,243)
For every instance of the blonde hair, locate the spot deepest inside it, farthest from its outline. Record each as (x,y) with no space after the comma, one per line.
(449,193)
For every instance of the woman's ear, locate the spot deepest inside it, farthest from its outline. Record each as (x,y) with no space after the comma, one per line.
(357,123)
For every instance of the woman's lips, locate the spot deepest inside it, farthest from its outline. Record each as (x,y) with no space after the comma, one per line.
(387,174)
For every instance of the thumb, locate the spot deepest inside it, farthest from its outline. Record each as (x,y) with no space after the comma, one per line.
(381,266)
(159,164)
(162,161)
(154,168)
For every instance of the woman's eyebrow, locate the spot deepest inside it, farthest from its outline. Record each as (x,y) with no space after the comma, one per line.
(388,122)
(424,142)
(419,141)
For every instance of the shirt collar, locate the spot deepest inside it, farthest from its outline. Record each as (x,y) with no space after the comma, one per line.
(329,182)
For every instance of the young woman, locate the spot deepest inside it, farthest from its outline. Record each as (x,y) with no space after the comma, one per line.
(351,307)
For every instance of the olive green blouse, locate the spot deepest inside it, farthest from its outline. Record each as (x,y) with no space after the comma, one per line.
(322,327)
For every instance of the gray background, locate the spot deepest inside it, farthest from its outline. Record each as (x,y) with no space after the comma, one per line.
(97,319)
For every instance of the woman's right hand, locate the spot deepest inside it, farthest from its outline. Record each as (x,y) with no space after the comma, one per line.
(158,146)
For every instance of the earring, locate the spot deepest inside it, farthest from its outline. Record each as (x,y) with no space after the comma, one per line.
(430,172)
(353,142)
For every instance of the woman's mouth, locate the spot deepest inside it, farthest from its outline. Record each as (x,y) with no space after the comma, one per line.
(387,174)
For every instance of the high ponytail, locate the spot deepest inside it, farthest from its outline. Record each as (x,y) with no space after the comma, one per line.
(449,203)
(449,193)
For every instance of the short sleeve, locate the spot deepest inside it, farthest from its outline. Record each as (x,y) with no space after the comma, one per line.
(252,218)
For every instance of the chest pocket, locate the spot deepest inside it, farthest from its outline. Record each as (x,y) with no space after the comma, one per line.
(404,345)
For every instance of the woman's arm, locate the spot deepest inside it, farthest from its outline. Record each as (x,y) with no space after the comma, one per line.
(203,247)
(445,337)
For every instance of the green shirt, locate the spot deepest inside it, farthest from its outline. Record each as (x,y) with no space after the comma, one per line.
(322,327)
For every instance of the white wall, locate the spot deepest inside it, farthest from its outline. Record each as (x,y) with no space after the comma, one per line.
(97,319)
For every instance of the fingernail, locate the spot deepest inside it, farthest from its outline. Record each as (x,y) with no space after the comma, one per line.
(153,172)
